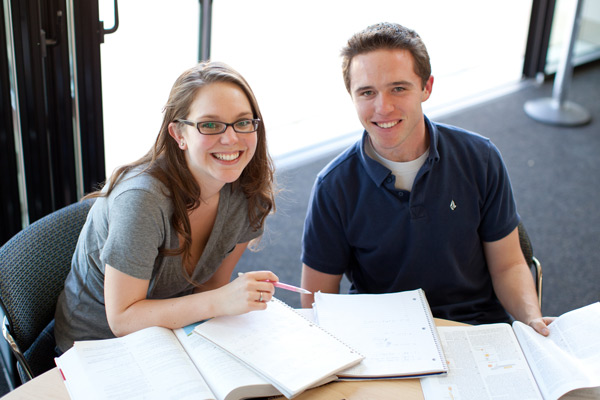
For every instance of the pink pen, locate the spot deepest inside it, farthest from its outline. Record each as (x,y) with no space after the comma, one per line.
(284,286)
(288,287)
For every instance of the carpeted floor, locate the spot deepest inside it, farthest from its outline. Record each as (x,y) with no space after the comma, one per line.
(555,176)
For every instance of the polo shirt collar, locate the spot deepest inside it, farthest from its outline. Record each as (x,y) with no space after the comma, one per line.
(378,172)
(434,135)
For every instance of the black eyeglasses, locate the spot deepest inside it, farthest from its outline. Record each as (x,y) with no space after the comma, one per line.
(217,127)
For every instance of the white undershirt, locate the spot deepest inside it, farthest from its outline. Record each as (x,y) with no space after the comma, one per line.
(405,172)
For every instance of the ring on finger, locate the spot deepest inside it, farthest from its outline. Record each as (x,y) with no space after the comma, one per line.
(260,298)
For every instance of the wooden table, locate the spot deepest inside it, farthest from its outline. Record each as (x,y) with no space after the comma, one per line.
(50,386)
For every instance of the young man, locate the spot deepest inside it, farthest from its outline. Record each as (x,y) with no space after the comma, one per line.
(415,204)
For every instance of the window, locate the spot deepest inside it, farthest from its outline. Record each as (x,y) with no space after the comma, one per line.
(289,53)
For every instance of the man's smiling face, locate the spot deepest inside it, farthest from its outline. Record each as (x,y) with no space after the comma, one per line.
(387,94)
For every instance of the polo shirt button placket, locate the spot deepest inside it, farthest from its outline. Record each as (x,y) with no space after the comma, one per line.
(389,184)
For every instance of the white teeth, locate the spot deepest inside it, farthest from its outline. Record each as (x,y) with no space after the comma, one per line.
(228,156)
(386,125)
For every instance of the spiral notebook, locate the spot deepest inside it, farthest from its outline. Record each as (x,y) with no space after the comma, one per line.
(286,349)
(394,331)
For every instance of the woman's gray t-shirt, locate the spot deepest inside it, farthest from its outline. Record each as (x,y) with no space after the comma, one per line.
(126,230)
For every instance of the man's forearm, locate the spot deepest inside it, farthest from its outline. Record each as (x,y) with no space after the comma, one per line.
(314,281)
(516,291)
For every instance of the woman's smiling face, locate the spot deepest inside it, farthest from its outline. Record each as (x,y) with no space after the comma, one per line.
(218,159)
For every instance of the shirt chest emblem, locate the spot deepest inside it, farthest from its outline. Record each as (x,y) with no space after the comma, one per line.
(452,205)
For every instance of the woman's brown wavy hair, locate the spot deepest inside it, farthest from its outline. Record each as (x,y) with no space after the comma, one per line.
(166,162)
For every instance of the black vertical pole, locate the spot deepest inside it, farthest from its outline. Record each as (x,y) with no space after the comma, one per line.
(538,39)
(89,34)
(10,210)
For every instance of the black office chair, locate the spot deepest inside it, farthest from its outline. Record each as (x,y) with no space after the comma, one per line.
(33,266)
(533,262)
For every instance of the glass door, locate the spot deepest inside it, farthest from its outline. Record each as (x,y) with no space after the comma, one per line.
(289,53)
(587,43)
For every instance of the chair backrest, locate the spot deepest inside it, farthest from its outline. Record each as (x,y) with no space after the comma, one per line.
(531,260)
(33,267)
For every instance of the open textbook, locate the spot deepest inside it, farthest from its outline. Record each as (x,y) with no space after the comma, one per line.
(394,331)
(286,349)
(496,361)
(159,363)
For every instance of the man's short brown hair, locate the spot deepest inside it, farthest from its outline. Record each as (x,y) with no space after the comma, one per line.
(388,36)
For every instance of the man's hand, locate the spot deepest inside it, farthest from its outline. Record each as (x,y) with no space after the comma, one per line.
(540,325)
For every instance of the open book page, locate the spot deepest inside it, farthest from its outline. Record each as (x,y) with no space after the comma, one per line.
(567,359)
(227,377)
(485,362)
(148,364)
(287,350)
(395,332)
(76,380)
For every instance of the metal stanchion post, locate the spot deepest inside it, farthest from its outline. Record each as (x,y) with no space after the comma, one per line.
(205,30)
(556,110)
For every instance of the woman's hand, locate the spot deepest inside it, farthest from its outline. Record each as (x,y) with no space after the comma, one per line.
(249,292)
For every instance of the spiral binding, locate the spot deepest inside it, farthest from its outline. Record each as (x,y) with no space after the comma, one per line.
(433,329)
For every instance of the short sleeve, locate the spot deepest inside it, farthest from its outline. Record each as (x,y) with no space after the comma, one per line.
(499,211)
(250,234)
(137,224)
(324,247)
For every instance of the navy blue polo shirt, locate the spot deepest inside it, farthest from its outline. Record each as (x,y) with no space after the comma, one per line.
(389,240)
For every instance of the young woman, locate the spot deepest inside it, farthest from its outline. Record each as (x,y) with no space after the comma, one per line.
(165,233)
